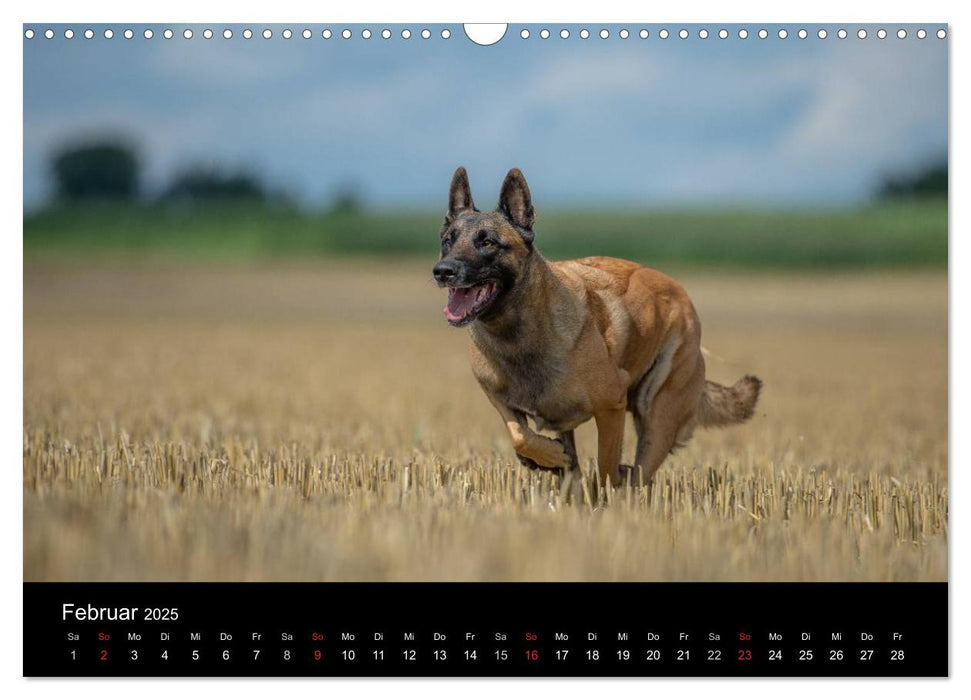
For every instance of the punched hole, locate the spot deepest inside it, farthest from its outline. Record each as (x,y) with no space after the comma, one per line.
(488,34)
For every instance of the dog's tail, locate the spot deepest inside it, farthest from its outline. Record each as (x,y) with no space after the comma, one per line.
(723,405)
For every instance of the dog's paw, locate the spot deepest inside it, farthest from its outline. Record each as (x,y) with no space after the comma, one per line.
(527,462)
(554,454)
(533,466)
(546,453)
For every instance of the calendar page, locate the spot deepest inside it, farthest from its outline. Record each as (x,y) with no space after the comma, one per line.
(485,350)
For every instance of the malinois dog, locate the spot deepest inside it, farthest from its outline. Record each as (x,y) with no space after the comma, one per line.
(563,342)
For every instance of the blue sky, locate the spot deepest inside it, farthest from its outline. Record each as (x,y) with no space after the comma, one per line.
(601,122)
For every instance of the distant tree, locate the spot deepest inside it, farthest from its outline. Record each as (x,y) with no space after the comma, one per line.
(202,184)
(347,200)
(930,181)
(96,170)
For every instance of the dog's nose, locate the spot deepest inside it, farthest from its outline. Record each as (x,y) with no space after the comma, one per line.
(445,271)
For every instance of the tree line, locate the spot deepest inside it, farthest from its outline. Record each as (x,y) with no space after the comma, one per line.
(110,170)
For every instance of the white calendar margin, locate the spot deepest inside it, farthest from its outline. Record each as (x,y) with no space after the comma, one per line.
(11,279)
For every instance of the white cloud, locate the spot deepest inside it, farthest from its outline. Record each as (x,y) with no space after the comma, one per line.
(885,107)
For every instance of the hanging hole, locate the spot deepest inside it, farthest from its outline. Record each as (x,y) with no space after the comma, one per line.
(488,34)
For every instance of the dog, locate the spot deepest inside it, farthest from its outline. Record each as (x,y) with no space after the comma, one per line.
(563,342)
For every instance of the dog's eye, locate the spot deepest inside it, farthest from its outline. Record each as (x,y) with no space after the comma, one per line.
(484,240)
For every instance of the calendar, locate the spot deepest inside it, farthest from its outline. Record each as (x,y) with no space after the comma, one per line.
(431,349)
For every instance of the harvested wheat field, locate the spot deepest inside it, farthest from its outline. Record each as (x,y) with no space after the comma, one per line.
(319,421)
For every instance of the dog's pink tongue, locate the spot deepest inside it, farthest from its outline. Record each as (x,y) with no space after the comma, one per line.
(460,302)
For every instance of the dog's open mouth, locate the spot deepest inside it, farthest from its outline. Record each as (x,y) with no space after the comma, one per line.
(465,303)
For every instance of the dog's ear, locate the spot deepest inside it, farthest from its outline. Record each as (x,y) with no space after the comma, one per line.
(516,205)
(459,195)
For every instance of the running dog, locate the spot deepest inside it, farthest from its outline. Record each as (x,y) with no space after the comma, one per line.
(563,342)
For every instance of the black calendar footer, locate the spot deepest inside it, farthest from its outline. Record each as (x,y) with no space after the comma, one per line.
(485,629)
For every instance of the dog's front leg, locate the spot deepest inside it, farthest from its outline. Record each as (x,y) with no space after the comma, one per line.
(544,451)
(610,443)
(571,485)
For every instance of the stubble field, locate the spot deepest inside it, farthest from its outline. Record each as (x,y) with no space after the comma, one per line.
(319,421)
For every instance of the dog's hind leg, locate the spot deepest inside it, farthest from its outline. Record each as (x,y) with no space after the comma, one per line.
(666,421)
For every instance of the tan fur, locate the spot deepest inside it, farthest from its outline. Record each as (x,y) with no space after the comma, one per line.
(595,338)
(722,405)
